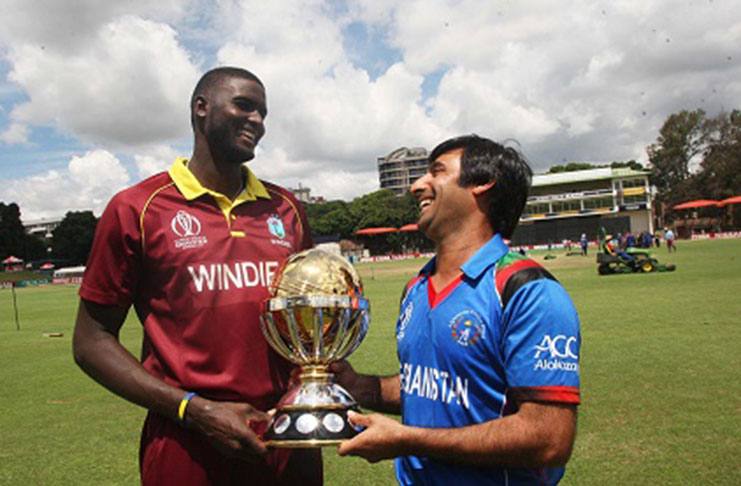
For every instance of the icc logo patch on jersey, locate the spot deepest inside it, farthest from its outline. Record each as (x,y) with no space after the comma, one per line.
(184,224)
(467,328)
(188,229)
(275,226)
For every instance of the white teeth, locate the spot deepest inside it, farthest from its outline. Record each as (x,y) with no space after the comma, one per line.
(425,203)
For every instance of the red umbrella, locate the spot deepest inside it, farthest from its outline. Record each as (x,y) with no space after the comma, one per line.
(731,200)
(12,259)
(409,227)
(699,203)
(375,231)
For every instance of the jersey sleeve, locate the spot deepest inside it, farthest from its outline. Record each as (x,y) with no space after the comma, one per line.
(540,344)
(113,267)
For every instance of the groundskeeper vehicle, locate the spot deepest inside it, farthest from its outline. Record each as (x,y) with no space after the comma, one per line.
(631,260)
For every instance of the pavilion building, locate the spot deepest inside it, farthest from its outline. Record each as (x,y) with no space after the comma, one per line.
(564,205)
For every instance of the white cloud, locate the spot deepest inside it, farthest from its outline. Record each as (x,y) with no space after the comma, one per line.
(88,183)
(69,26)
(156,159)
(323,180)
(16,133)
(591,82)
(470,102)
(578,118)
(321,107)
(341,184)
(129,85)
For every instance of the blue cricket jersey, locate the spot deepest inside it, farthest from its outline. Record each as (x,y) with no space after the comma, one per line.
(469,351)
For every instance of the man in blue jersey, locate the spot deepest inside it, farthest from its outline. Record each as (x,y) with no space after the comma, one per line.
(488,341)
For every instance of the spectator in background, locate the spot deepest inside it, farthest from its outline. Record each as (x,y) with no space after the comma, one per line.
(647,240)
(630,240)
(584,243)
(669,237)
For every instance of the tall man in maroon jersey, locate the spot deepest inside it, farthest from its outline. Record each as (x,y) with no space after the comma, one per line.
(193,250)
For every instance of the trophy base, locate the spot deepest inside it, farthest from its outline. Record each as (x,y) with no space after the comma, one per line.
(309,428)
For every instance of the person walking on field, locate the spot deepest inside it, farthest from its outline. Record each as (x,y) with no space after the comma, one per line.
(488,340)
(193,250)
(669,238)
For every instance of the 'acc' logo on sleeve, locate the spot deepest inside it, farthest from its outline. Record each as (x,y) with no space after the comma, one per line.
(559,347)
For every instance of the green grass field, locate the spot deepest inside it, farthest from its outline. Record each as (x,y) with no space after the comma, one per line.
(660,361)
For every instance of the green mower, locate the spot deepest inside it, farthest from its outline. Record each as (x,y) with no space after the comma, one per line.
(632,260)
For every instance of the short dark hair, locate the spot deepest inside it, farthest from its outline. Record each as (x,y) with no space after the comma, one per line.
(484,161)
(214,77)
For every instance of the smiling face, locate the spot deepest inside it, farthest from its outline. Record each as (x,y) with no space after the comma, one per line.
(444,204)
(233,114)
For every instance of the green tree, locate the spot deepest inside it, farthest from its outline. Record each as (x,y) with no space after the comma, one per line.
(721,165)
(11,231)
(73,238)
(330,219)
(682,138)
(377,209)
(720,174)
(571,167)
(35,248)
(630,164)
(384,209)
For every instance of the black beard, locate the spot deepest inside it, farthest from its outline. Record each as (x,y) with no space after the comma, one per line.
(223,146)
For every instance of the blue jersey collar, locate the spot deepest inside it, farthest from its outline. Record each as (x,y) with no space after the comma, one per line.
(486,256)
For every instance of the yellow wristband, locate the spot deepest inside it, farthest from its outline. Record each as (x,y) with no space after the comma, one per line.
(183,405)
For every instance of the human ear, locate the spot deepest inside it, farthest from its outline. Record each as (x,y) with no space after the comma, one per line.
(200,107)
(483,188)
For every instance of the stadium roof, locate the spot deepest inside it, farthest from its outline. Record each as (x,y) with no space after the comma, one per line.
(375,231)
(698,203)
(731,200)
(586,175)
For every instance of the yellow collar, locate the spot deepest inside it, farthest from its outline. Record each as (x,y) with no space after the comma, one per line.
(191,188)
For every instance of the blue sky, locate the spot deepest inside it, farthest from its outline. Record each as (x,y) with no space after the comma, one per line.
(93,95)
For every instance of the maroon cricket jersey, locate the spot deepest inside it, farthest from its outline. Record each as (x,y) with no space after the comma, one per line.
(197,267)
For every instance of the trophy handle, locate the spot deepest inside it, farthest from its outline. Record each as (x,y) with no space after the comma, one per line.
(318,343)
(296,339)
(272,337)
(357,333)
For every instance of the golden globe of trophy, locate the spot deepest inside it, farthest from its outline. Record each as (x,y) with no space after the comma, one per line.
(316,315)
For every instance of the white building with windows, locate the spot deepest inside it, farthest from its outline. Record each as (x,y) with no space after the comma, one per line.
(399,169)
(566,204)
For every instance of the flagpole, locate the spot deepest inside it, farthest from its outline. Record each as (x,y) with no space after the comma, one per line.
(15,308)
